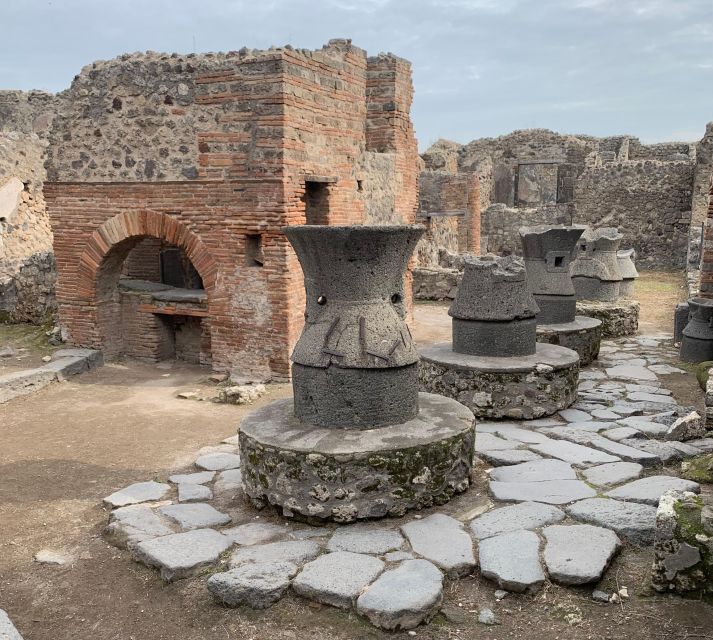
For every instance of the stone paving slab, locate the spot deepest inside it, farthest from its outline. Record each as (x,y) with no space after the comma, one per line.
(7,629)
(612,473)
(604,414)
(138,492)
(218,461)
(256,533)
(547,491)
(578,554)
(404,597)
(182,554)
(649,490)
(295,551)
(257,585)
(196,515)
(189,492)
(666,451)
(704,444)
(633,521)
(573,453)
(133,524)
(512,561)
(201,477)
(513,433)
(365,539)
(645,426)
(514,456)
(337,578)
(442,540)
(488,442)
(629,372)
(622,433)
(535,471)
(574,415)
(229,480)
(622,451)
(525,515)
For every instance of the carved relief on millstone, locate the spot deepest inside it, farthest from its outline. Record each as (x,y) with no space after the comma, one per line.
(493,312)
(548,252)
(629,274)
(355,364)
(697,340)
(595,272)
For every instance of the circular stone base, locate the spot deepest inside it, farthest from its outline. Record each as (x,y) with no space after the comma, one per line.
(346,474)
(620,318)
(523,388)
(584,336)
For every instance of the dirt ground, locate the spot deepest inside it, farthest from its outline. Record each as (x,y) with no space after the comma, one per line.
(66,447)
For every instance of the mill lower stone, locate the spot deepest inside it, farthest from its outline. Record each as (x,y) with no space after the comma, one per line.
(346,475)
(523,387)
(619,318)
(583,335)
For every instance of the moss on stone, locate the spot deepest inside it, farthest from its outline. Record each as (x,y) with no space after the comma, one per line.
(699,469)
(702,373)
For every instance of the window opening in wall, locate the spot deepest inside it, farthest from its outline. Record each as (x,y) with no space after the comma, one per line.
(177,270)
(559,260)
(360,185)
(253,250)
(316,202)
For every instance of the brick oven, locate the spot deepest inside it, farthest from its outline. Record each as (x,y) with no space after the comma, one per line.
(171,176)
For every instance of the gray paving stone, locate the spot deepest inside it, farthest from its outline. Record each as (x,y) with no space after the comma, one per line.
(489,442)
(573,415)
(665,369)
(592,425)
(578,554)
(7,629)
(514,456)
(182,554)
(255,533)
(535,471)
(138,492)
(633,521)
(645,425)
(649,490)
(591,374)
(188,492)
(525,515)
(513,433)
(665,451)
(218,461)
(229,480)
(612,473)
(543,422)
(624,409)
(573,453)
(133,524)
(404,597)
(655,398)
(634,373)
(704,444)
(312,532)
(512,560)
(685,449)
(651,387)
(195,515)
(337,578)
(398,556)
(200,477)
(548,491)
(604,414)
(257,585)
(442,540)
(295,551)
(360,538)
(622,433)
(622,451)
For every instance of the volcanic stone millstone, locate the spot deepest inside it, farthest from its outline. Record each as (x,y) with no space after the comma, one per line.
(355,363)
(345,475)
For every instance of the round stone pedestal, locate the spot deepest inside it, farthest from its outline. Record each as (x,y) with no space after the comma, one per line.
(619,318)
(522,387)
(584,336)
(320,473)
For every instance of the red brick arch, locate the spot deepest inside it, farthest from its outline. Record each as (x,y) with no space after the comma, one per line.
(136,224)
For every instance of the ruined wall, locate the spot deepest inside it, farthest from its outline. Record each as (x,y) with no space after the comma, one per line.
(702,187)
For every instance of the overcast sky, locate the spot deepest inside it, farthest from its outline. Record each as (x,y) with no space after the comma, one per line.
(481,67)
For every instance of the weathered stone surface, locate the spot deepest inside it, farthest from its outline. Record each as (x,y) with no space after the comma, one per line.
(404,597)
(548,491)
(649,490)
(365,539)
(578,554)
(7,629)
(622,433)
(535,471)
(138,492)
(525,515)
(582,335)
(635,522)
(229,480)
(398,556)
(604,414)
(257,585)
(337,578)
(182,554)
(620,318)
(255,533)
(195,516)
(50,556)
(201,477)
(510,432)
(188,492)
(486,442)
(295,551)
(218,461)
(630,372)
(612,473)
(699,469)
(442,540)
(664,451)
(688,427)
(573,453)
(512,561)
(512,456)
(133,524)
(622,451)
(645,425)
(574,415)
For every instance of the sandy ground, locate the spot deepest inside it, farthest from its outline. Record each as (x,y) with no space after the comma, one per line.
(66,447)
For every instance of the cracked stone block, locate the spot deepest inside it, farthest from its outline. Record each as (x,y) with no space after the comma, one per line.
(365,539)
(515,456)
(578,554)
(295,551)
(649,490)
(195,515)
(575,454)
(133,524)
(218,461)
(188,492)
(622,451)
(257,585)
(486,442)
(634,373)
(337,578)
(181,555)
(404,597)
(256,533)
(442,540)
(630,520)
(138,492)
(535,471)
(548,491)
(512,561)
(612,473)
(525,515)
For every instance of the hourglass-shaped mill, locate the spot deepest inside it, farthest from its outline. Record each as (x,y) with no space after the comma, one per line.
(697,339)
(548,252)
(494,365)
(358,440)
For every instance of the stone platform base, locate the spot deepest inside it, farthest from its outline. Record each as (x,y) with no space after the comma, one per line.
(344,475)
(584,336)
(620,318)
(523,387)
